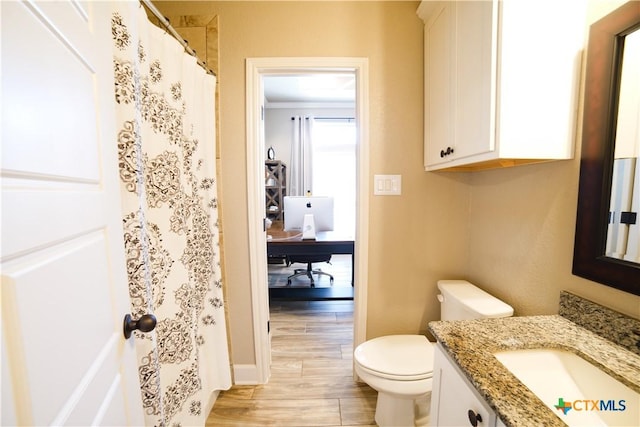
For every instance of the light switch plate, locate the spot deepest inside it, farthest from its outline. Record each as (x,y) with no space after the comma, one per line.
(387,185)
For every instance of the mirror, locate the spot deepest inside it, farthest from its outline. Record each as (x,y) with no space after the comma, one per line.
(623,231)
(606,245)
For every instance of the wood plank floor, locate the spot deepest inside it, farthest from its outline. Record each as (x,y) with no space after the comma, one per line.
(311,380)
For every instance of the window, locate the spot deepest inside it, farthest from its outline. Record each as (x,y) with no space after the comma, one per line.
(334,168)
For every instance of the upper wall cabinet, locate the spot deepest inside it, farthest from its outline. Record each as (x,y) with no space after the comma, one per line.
(501,82)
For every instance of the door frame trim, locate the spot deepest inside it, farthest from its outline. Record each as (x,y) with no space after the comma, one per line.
(255,69)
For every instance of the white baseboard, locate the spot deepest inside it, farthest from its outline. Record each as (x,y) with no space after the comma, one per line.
(245,374)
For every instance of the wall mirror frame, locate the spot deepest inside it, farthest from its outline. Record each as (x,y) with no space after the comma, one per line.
(604,56)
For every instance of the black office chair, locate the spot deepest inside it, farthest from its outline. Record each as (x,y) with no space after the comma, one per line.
(309,271)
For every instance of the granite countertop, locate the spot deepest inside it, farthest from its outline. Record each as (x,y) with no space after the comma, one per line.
(471,343)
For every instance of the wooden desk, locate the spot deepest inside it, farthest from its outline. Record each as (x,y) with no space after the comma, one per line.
(291,243)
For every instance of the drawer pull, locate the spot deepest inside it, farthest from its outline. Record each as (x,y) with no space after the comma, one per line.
(474,418)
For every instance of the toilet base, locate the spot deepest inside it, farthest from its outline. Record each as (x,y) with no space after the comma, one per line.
(393,411)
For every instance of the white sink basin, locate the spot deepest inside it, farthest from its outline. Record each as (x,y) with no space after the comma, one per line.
(590,396)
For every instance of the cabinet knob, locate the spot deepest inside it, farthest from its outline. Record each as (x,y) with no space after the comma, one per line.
(444,153)
(474,418)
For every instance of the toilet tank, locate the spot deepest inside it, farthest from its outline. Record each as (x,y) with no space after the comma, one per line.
(460,300)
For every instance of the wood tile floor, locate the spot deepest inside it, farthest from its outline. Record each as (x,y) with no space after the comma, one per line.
(311,380)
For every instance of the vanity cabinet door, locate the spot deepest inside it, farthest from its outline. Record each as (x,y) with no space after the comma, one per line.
(454,400)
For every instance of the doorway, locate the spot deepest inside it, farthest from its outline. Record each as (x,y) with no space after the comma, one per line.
(256,70)
(310,145)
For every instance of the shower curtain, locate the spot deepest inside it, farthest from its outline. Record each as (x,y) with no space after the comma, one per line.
(166,147)
(300,166)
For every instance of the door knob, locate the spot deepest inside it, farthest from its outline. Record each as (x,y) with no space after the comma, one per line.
(145,323)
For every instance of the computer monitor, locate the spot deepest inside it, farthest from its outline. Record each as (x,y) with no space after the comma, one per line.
(296,207)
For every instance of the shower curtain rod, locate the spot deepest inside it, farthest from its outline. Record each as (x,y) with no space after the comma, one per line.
(165,22)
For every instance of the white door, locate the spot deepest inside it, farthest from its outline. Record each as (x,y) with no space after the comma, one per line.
(64,286)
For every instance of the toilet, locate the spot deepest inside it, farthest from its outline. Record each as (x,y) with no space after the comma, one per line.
(400,367)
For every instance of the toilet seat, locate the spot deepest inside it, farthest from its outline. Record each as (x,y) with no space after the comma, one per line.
(397,357)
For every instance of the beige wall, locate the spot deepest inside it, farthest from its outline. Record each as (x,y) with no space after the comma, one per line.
(522,224)
(511,230)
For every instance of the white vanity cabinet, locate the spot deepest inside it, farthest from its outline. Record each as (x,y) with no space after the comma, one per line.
(453,397)
(501,81)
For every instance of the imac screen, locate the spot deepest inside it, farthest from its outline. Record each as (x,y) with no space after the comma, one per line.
(296,207)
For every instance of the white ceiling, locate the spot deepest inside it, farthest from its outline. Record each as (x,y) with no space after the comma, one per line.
(310,88)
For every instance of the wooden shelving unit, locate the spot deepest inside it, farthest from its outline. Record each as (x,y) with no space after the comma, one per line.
(275,188)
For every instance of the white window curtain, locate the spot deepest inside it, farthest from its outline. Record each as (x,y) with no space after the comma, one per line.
(166,144)
(301,164)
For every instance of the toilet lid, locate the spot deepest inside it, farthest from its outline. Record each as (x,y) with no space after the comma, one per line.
(397,355)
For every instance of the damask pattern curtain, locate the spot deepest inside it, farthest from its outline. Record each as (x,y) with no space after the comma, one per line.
(166,145)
